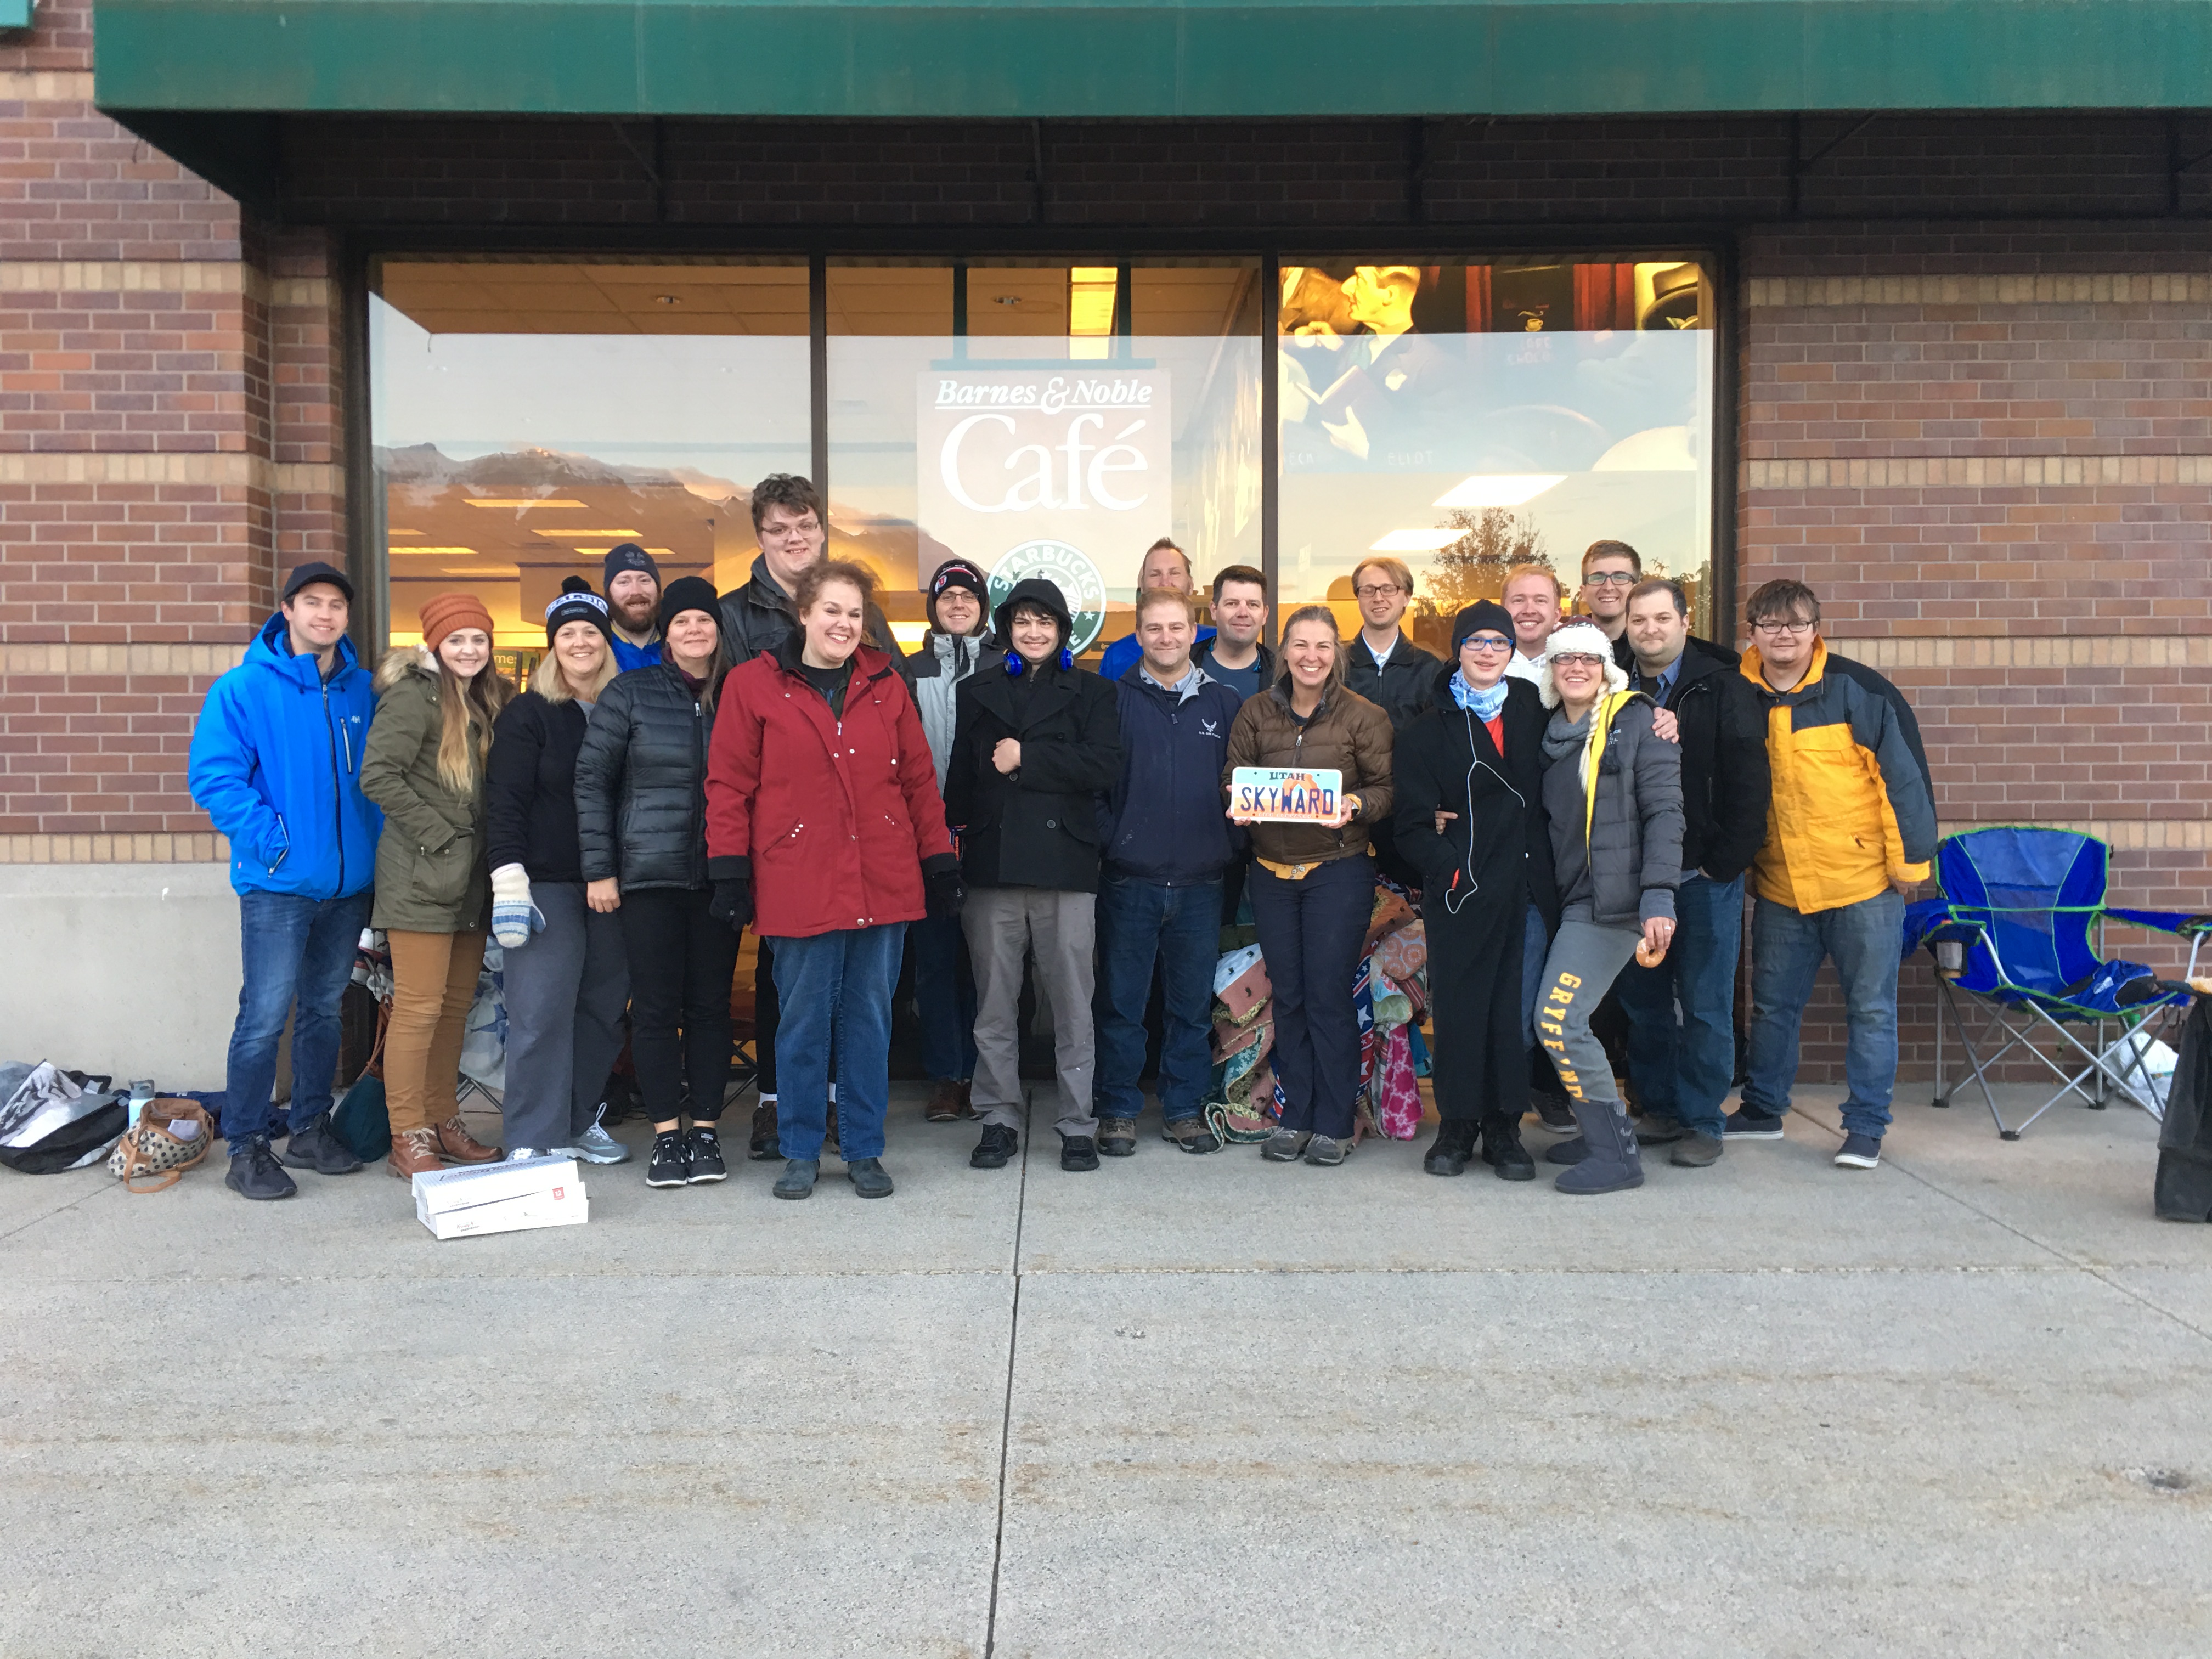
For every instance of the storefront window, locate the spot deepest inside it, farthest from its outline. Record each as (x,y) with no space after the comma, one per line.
(1468,417)
(1051,418)
(530,415)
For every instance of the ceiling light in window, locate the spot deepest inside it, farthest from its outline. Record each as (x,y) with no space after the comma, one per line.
(403,532)
(518,503)
(602,552)
(1499,489)
(437,552)
(569,535)
(1090,295)
(1415,541)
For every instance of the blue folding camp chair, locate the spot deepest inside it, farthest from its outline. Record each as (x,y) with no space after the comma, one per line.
(2018,931)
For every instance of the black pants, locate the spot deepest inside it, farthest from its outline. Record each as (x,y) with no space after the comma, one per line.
(1482,1072)
(681,963)
(768,1016)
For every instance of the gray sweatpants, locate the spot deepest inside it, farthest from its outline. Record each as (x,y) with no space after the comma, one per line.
(1584,960)
(566,991)
(1002,925)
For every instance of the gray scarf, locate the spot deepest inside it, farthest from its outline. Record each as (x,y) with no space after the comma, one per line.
(1564,736)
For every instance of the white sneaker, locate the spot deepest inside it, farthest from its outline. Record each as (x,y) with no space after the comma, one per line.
(520,1153)
(596,1145)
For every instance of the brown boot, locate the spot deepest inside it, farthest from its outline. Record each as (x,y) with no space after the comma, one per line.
(968,1096)
(414,1152)
(456,1145)
(944,1103)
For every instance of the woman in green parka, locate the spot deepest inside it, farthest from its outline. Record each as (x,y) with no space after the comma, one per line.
(424,765)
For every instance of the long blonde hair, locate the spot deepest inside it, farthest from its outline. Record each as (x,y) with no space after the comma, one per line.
(466,712)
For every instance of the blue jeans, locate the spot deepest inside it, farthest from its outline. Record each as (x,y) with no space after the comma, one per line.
(1683,1071)
(1866,942)
(945,997)
(835,987)
(1140,922)
(296,949)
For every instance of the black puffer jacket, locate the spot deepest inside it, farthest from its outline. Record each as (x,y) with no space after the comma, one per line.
(641,780)
(757,617)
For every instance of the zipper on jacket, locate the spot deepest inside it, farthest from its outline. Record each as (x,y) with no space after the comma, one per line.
(338,782)
(699,793)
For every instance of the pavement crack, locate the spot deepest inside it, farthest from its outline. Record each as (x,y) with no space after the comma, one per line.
(1007,1415)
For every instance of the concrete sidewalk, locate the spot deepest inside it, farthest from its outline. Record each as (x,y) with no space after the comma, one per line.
(1182,1405)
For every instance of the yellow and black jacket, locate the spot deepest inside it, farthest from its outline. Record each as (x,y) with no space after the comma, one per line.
(1854,806)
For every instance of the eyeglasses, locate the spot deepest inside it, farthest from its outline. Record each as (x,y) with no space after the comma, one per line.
(1610,577)
(1771,629)
(1577,659)
(1377,590)
(1485,642)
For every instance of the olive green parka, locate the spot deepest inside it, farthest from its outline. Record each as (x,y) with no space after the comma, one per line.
(431,877)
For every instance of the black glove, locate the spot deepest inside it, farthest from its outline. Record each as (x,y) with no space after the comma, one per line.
(943,893)
(733,901)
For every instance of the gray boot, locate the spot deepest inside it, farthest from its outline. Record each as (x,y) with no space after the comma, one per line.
(1613,1164)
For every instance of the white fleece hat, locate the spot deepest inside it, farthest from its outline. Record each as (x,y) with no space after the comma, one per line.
(1584,638)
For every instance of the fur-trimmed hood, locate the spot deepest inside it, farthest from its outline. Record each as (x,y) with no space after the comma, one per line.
(397,662)
(1581,639)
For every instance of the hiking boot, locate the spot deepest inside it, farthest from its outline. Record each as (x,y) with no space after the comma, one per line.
(706,1157)
(796,1180)
(1077,1153)
(456,1145)
(1573,1150)
(762,1145)
(1695,1152)
(413,1153)
(1558,1113)
(1284,1145)
(1655,1131)
(671,1164)
(1191,1135)
(1613,1164)
(316,1147)
(1454,1145)
(1859,1151)
(1749,1123)
(1327,1149)
(1502,1151)
(869,1177)
(1117,1137)
(255,1173)
(997,1145)
(944,1103)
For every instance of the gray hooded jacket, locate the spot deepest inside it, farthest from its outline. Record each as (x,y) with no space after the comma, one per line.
(1633,861)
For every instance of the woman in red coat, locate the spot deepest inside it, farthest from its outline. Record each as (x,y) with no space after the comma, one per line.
(825,831)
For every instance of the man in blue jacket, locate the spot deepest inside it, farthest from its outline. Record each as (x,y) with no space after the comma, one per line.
(1166,843)
(277,764)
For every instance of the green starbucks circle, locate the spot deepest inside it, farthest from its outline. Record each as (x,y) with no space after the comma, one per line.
(1067,569)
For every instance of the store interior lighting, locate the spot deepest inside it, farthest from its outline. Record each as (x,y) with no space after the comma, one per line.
(1499,489)
(1090,295)
(517,504)
(1415,541)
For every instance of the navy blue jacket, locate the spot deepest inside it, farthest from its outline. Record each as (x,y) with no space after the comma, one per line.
(1164,821)
(277,764)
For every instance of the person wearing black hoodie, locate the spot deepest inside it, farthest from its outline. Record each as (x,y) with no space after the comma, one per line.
(1682,1069)
(1036,743)
(1469,773)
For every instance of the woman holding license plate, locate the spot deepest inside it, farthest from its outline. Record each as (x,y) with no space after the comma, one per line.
(1313,879)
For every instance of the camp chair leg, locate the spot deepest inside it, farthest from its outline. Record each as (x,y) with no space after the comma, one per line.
(1974,1060)
(1942,991)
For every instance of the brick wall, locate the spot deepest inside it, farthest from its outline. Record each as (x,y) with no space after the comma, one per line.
(1975,383)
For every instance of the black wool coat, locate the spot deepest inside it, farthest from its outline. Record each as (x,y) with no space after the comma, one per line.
(1040,825)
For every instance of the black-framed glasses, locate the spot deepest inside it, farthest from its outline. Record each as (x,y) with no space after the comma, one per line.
(1794,629)
(1565,659)
(1610,579)
(1377,590)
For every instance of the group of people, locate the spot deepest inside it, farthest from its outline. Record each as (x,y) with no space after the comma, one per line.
(1575,801)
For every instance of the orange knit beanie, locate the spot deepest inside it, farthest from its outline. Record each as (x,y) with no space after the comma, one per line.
(448,611)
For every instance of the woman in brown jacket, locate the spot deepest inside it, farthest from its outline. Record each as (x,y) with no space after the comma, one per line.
(1313,884)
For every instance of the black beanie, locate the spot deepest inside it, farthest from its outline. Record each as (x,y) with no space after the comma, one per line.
(957,573)
(627,556)
(576,602)
(689,594)
(1482,614)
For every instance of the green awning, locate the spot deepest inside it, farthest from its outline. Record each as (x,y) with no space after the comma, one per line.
(1191,58)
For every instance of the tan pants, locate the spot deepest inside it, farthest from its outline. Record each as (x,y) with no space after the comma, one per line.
(433,980)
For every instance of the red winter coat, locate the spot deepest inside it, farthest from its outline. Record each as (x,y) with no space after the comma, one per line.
(832,817)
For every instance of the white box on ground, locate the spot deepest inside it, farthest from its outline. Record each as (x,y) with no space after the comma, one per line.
(562,1207)
(501,1198)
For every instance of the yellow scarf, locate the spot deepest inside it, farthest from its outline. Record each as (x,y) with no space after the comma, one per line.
(1602,720)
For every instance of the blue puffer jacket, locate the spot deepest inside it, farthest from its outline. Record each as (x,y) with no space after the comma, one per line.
(1165,823)
(276,764)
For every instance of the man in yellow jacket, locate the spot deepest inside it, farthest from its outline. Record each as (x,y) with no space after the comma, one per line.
(1850,828)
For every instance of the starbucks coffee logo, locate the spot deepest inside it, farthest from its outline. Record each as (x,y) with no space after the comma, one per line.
(1067,569)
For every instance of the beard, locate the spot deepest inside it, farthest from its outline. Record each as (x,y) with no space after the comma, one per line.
(635,614)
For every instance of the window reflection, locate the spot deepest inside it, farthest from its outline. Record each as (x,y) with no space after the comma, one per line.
(528,415)
(1469,418)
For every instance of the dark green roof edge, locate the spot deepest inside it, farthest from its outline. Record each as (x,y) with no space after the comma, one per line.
(1013,58)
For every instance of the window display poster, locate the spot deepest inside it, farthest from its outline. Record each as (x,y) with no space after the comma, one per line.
(1062,472)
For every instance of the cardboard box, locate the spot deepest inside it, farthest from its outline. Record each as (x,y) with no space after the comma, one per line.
(561,1206)
(468,1184)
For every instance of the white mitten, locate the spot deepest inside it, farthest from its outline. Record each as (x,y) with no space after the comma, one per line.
(514,917)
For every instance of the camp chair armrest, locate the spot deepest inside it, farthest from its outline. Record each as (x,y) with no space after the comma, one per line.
(2164,921)
(1930,921)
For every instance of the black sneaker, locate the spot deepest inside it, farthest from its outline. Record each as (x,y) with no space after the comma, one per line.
(1077,1153)
(255,1173)
(672,1159)
(314,1147)
(869,1177)
(706,1157)
(1749,1123)
(1558,1113)
(997,1145)
(1502,1151)
(1860,1151)
(1455,1144)
(762,1145)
